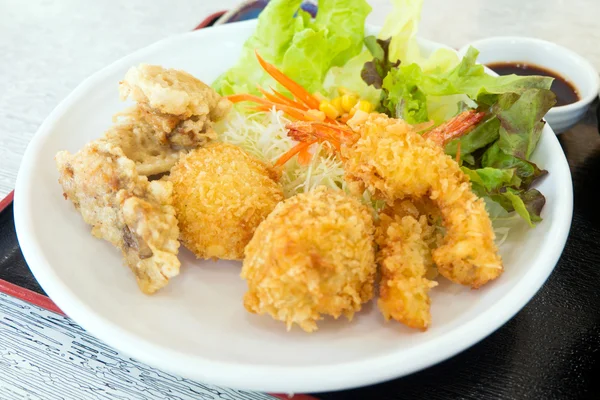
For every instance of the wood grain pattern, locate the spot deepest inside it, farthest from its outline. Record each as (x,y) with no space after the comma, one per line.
(46,356)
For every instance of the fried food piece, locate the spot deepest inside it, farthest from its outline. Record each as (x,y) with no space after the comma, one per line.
(221,194)
(394,162)
(405,237)
(138,140)
(178,106)
(125,209)
(314,255)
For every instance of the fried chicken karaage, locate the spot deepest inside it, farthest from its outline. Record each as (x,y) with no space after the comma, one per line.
(221,195)
(314,255)
(124,208)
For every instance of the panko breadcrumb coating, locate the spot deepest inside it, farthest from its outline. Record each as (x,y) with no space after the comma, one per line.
(314,255)
(125,209)
(406,238)
(181,108)
(394,163)
(221,194)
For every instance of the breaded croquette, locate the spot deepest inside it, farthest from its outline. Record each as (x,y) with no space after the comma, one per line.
(314,255)
(221,194)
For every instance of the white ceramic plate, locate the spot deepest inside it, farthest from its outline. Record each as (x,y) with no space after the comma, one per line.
(197,327)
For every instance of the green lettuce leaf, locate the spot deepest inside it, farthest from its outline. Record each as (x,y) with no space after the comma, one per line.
(488,180)
(349,77)
(401,26)
(505,187)
(344,20)
(521,120)
(303,48)
(527,171)
(485,133)
(275,30)
(470,78)
(527,203)
(376,70)
(403,97)
(409,88)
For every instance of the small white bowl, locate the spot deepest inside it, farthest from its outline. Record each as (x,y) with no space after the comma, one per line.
(566,63)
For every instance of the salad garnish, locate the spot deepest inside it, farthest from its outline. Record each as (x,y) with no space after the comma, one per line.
(490,124)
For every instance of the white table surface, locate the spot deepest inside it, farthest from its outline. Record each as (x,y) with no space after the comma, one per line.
(48,47)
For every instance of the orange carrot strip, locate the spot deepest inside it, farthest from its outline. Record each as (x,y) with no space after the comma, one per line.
(238,98)
(272,97)
(304,156)
(292,112)
(289,101)
(298,91)
(292,152)
(266,105)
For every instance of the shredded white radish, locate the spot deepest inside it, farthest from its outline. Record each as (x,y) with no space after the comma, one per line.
(263,134)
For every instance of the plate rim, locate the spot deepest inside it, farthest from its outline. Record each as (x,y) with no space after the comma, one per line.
(271,378)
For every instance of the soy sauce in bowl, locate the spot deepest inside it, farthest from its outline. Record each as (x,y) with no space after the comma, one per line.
(564,90)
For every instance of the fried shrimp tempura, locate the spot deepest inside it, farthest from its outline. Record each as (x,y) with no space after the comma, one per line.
(181,108)
(394,162)
(405,237)
(312,256)
(221,194)
(125,209)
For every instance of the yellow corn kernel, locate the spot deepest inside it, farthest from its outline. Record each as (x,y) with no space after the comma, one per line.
(352,112)
(349,101)
(329,110)
(365,106)
(342,91)
(337,103)
(315,115)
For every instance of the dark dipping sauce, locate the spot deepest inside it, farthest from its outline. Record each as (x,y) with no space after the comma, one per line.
(565,92)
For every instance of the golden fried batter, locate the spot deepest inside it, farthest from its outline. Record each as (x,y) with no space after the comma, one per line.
(138,140)
(405,238)
(221,194)
(394,162)
(312,256)
(125,209)
(178,106)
